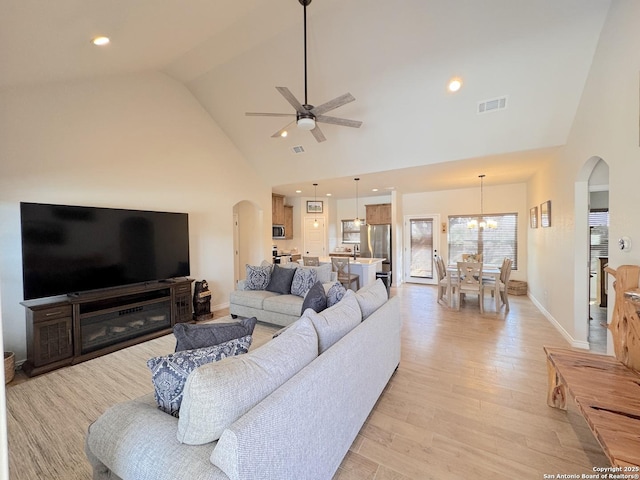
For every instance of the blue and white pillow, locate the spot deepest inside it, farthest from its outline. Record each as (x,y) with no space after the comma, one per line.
(258,277)
(335,294)
(169,373)
(303,280)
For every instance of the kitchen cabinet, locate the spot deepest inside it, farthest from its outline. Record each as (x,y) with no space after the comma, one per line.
(288,222)
(277,209)
(379,214)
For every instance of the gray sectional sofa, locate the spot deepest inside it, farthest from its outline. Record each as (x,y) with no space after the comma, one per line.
(289,409)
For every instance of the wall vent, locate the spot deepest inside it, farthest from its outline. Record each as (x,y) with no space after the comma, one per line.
(492,105)
(297,149)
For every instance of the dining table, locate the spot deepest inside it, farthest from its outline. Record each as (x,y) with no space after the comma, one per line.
(488,271)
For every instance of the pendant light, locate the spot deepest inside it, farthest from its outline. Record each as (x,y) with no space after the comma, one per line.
(315,198)
(483,223)
(357,222)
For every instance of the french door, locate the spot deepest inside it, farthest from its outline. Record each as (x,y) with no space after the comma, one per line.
(421,245)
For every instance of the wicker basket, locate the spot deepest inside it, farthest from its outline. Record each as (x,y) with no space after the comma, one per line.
(517,287)
(9,366)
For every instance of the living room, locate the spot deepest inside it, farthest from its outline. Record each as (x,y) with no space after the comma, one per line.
(144,139)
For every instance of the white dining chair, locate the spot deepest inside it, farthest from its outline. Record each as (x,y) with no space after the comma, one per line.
(470,281)
(444,281)
(503,283)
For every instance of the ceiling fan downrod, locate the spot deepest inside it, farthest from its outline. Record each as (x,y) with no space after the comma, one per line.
(305,3)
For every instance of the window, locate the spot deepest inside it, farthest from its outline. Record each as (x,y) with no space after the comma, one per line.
(350,232)
(599,228)
(493,243)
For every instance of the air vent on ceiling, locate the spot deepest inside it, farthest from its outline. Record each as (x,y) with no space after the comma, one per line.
(492,105)
(297,149)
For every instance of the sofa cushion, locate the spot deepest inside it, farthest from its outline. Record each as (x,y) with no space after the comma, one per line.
(303,280)
(285,304)
(169,373)
(258,277)
(250,298)
(189,336)
(217,394)
(335,293)
(371,297)
(315,299)
(335,322)
(281,279)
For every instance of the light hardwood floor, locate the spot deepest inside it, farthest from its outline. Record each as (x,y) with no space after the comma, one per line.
(467,402)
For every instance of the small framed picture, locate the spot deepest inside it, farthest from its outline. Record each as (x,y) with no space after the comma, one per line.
(533,217)
(314,206)
(545,214)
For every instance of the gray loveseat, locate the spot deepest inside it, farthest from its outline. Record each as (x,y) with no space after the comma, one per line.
(301,430)
(276,308)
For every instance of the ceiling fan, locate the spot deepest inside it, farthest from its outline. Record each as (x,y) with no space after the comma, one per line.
(308,116)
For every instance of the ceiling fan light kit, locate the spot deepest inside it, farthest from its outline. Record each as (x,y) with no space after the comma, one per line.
(308,116)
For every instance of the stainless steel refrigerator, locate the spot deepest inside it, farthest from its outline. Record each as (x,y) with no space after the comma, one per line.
(375,242)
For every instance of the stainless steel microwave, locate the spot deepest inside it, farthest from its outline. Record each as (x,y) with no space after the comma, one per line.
(278,231)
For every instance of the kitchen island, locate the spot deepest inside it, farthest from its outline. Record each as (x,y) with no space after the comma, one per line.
(365,267)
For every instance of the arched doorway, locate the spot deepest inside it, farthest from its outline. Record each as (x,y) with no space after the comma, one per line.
(592,177)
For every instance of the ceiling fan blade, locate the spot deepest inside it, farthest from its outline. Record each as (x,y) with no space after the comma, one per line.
(331,104)
(283,129)
(286,93)
(318,135)
(338,121)
(255,114)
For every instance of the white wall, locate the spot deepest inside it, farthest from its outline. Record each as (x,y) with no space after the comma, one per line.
(497,199)
(135,141)
(606,126)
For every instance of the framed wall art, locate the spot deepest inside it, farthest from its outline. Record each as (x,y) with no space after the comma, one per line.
(314,206)
(533,217)
(545,214)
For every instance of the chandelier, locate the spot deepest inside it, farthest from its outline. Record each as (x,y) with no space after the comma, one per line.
(483,223)
(315,198)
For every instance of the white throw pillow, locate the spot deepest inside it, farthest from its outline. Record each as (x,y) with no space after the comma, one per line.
(335,322)
(217,394)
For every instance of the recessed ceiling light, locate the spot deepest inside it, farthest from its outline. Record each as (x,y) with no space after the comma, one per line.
(374,189)
(298,191)
(100,40)
(328,194)
(284,133)
(454,84)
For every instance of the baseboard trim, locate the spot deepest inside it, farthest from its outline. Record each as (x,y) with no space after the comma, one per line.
(572,341)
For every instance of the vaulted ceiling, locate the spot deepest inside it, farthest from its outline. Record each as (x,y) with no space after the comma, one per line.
(395,58)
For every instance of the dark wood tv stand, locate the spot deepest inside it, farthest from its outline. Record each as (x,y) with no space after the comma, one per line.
(69,329)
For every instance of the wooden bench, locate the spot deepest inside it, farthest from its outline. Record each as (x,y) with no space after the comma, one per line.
(607,394)
(606,389)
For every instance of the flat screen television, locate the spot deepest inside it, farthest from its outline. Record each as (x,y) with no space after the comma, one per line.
(70,249)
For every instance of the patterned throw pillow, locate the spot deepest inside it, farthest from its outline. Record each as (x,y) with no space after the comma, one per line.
(258,277)
(169,373)
(303,280)
(335,294)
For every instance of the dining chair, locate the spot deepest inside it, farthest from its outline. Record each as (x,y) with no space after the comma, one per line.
(503,283)
(470,281)
(311,261)
(342,266)
(472,257)
(443,281)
